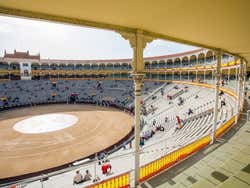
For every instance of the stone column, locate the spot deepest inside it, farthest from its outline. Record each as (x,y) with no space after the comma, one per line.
(240,87)
(244,69)
(137,121)
(217,87)
(204,78)
(138,42)
(237,90)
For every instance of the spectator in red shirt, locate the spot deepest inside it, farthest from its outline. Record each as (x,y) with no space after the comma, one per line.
(106,168)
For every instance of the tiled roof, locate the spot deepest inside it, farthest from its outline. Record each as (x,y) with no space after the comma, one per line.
(21,55)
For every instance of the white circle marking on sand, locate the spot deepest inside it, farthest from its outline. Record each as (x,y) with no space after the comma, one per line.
(45,123)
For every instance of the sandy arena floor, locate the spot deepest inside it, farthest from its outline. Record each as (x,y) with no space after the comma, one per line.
(97,128)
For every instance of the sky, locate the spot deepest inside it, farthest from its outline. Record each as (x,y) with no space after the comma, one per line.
(64,41)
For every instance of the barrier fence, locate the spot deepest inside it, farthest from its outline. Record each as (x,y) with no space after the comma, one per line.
(121,181)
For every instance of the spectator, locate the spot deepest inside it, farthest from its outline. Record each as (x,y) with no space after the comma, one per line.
(166,119)
(106,168)
(222,83)
(154,122)
(142,141)
(223,103)
(221,93)
(78,178)
(190,111)
(87,176)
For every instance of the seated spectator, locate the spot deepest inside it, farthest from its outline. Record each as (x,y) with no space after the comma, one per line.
(169,97)
(222,82)
(154,122)
(101,157)
(142,141)
(190,111)
(97,178)
(106,168)
(166,119)
(221,93)
(154,97)
(124,146)
(181,101)
(162,91)
(223,103)
(78,178)
(87,176)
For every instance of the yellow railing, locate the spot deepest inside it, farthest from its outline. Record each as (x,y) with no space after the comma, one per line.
(170,159)
(121,181)
(225,126)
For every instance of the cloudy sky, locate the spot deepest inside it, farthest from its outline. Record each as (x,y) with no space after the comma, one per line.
(61,41)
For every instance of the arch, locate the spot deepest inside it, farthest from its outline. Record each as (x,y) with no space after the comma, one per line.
(53,66)
(162,64)
(169,63)
(4,65)
(201,58)
(102,66)
(70,67)
(14,66)
(125,66)
(177,62)
(35,66)
(94,66)
(154,64)
(62,66)
(184,59)
(109,66)
(209,56)
(45,66)
(86,66)
(147,64)
(117,66)
(79,67)
(193,58)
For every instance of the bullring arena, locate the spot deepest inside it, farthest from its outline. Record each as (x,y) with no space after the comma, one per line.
(135,94)
(96,129)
